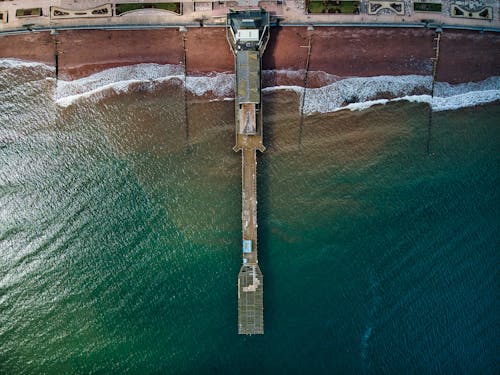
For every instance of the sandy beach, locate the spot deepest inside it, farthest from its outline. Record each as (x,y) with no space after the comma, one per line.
(342,51)
(90,51)
(352,51)
(38,47)
(468,56)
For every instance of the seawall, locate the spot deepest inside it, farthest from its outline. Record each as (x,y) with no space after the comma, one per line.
(343,51)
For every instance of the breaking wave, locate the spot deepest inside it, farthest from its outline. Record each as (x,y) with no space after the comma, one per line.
(15,74)
(146,77)
(357,93)
(7,63)
(361,93)
(332,94)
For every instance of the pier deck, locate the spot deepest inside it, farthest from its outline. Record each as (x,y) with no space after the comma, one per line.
(250,279)
(247,33)
(249,201)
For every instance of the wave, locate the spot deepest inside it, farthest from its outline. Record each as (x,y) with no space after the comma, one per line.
(9,63)
(448,103)
(356,93)
(361,93)
(144,76)
(65,96)
(116,77)
(220,85)
(334,94)
(19,75)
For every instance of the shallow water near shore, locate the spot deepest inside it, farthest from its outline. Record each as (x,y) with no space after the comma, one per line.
(120,236)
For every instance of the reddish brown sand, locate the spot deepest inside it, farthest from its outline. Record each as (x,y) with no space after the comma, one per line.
(468,56)
(208,51)
(85,52)
(33,47)
(465,55)
(352,51)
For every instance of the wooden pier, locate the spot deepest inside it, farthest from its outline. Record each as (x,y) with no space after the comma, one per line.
(250,279)
(248,33)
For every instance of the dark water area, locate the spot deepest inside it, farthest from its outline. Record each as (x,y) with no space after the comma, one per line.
(120,237)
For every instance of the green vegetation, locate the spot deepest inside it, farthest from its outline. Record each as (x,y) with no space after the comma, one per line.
(122,8)
(344,7)
(29,12)
(427,7)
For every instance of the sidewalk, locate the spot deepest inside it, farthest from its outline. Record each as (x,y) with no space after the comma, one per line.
(292,11)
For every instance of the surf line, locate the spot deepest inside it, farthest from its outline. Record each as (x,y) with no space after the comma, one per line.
(437,39)
(306,77)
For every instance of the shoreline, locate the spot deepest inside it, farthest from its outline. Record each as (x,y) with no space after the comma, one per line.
(466,56)
(330,94)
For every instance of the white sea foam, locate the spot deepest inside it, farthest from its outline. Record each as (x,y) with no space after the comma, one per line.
(298,89)
(357,94)
(65,98)
(147,76)
(8,63)
(119,77)
(360,90)
(444,89)
(220,85)
(117,80)
(468,99)
(354,94)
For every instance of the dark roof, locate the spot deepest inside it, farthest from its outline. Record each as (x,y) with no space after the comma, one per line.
(249,19)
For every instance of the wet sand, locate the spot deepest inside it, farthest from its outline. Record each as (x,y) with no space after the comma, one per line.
(344,52)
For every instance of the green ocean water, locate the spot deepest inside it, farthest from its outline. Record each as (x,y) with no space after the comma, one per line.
(120,237)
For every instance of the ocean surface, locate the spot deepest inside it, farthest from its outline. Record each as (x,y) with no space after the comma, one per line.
(120,231)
